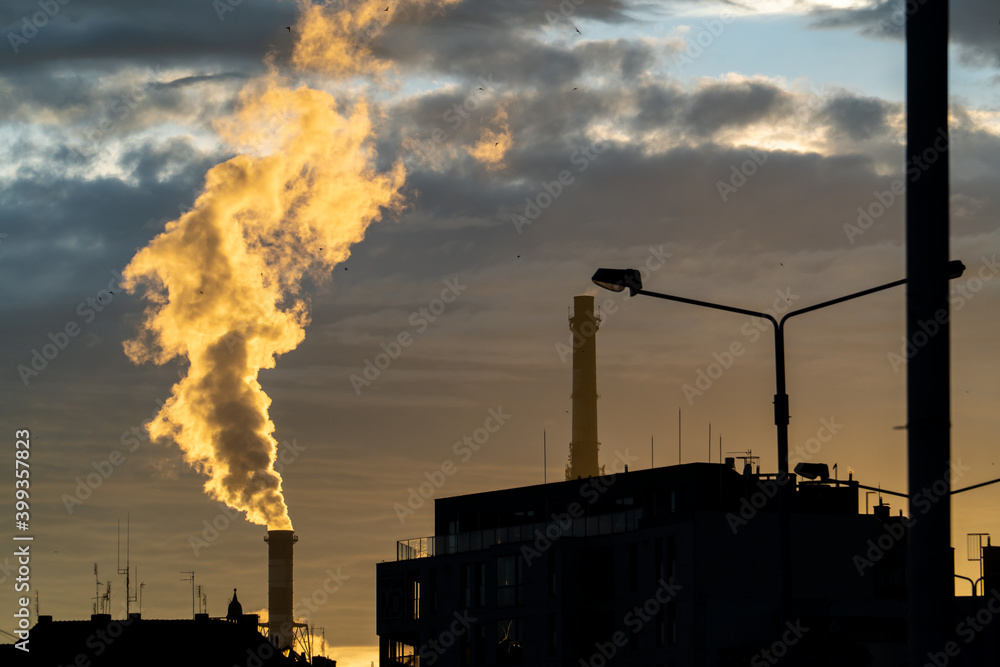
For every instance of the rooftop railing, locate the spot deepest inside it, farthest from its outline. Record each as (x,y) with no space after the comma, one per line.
(477,540)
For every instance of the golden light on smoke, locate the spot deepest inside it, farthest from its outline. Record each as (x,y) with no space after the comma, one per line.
(335,36)
(493,144)
(336,41)
(223,279)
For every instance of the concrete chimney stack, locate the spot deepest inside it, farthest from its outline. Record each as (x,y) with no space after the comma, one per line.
(279,587)
(583,449)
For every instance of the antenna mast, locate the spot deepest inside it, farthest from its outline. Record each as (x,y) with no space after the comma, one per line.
(129,598)
(191,579)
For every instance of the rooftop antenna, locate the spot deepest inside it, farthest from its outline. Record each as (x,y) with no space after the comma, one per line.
(652,463)
(709,442)
(720,449)
(97,589)
(141,586)
(545,456)
(191,579)
(128,567)
(199,598)
(102,602)
(747,457)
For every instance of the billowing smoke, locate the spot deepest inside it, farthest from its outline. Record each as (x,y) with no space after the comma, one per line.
(223,279)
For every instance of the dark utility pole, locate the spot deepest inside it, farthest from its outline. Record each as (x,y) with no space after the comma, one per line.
(930,563)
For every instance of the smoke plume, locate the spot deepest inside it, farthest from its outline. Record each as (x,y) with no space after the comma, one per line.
(223,280)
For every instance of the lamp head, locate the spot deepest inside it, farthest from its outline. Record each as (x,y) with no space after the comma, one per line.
(617,280)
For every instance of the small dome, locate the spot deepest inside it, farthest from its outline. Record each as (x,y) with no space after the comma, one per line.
(235,608)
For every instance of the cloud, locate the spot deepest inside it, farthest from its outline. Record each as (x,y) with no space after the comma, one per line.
(972,25)
(857,117)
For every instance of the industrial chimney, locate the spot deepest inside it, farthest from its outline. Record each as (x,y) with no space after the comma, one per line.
(279,587)
(583,449)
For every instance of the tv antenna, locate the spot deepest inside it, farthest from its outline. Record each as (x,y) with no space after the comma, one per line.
(129,598)
(191,579)
(748,458)
(102,602)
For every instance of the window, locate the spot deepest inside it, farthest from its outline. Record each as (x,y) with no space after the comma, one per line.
(468,584)
(633,567)
(414,591)
(402,654)
(510,579)
(509,650)
(465,648)
(671,566)
(552,573)
(481,580)
(659,571)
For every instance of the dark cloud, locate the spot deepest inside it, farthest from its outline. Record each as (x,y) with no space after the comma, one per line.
(725,105)
(145,34)
(627,59)
(859,118)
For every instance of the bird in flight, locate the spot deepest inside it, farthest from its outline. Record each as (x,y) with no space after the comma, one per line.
(288,28)
(577,30)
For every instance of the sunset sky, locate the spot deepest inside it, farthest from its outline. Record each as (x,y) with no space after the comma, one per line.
(430,187)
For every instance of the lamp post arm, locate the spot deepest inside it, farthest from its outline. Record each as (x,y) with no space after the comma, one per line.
(831,302)
(708,304)
(975,486)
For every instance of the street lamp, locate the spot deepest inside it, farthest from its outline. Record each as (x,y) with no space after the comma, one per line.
(617,280)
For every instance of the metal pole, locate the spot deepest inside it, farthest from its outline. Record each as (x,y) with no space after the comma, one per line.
(930,562)
(785,483)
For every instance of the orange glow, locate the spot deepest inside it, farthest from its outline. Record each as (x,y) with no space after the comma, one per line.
(493,144)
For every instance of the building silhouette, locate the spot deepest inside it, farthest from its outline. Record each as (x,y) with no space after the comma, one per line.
(103,641)
(669,566)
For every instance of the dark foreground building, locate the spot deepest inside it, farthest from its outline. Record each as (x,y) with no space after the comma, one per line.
(664,567)
(138,642)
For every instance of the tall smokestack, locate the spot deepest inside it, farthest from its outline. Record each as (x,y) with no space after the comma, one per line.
(279,586)
(583,448)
